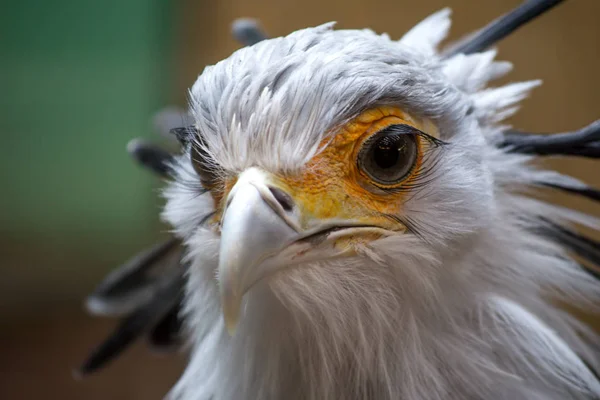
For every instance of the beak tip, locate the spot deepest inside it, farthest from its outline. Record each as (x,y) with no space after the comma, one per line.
(231,327)
(231,322)
(231,312)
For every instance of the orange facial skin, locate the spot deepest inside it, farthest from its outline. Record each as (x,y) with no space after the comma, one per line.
(332,187)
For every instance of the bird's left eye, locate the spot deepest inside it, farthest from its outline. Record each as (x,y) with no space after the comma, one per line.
(389,156)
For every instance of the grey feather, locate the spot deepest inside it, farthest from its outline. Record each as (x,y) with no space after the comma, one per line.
(584,142)
(151,156)
(502,27)
(247,31)
(138,323)
(135,282)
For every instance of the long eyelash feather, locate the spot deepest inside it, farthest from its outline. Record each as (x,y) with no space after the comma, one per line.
(431,158)
(184,134)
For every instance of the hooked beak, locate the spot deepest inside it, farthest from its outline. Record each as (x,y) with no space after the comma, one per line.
(262,232)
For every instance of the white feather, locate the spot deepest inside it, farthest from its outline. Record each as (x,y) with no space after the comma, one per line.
(472,72)
(427,35)
(497,104)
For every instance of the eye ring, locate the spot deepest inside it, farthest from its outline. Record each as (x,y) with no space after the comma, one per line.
(389,156)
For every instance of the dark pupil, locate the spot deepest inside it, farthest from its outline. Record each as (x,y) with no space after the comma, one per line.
(387,150)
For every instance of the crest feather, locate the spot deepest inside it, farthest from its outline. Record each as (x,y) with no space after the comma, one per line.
(471,73)
(429,33)
(497,104)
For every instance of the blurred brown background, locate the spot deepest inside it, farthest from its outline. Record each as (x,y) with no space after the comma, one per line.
(81,78)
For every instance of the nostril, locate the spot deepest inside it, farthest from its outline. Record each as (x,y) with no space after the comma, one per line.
(282,198)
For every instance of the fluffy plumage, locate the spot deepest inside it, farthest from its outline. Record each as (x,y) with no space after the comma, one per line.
(464,306)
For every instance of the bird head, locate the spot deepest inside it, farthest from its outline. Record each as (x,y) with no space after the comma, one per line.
(333,148)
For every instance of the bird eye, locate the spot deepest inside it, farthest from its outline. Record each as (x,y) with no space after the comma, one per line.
(389,156)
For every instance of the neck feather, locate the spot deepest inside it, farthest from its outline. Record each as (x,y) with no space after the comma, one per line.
(371,328)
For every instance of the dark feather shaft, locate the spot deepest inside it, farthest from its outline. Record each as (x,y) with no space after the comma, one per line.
(127,280)
(581,245)
(135,325)
(131,273)
(502,27)
(584,191)
(247,31)
(587,151)
(581,137)
(584,142)
(151,156)
(166,335)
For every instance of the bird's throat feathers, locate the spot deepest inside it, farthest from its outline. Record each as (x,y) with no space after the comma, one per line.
(399,321)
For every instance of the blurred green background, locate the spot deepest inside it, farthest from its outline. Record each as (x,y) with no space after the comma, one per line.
(79,79)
